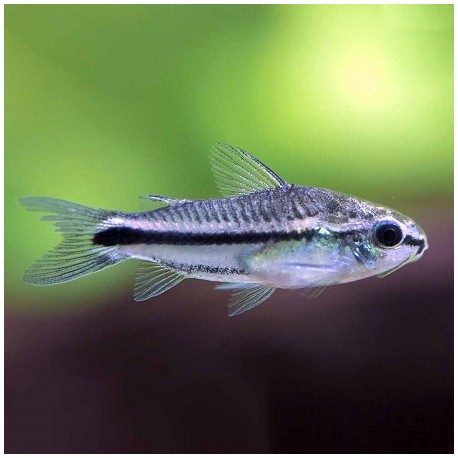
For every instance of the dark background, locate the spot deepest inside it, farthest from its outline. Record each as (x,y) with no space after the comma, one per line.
(365,367)
(104,103)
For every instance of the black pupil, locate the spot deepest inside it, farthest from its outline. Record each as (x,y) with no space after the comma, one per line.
(388,234)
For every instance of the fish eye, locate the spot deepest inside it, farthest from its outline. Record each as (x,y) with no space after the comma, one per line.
(388,234)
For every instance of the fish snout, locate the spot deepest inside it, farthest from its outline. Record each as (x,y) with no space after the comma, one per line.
(422,246)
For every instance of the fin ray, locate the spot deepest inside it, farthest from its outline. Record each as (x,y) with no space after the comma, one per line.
(238,172)
(75,256)
(154,279)
(317,291)
(363,255)
(247,298)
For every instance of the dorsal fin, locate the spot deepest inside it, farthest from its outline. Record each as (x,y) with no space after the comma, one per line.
(238,172)
(154,279)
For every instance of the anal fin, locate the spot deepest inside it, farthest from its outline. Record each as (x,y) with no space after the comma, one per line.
(154,279)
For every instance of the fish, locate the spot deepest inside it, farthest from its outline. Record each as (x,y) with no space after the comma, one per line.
(262,235)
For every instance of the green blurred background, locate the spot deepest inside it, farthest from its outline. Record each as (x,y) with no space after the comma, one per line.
(107,103)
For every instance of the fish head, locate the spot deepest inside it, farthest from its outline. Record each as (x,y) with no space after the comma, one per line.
(389,241)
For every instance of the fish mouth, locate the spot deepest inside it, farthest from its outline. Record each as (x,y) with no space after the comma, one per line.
(422,246)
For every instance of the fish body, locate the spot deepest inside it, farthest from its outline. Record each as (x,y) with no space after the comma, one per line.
(265,234)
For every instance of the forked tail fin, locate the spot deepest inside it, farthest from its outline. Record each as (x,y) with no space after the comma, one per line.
(76,255)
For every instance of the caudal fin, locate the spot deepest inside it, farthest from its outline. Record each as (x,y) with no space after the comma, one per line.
(75,256)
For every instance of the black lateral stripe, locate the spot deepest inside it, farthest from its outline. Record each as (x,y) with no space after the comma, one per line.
(409,240)
(129,236)
(420,243)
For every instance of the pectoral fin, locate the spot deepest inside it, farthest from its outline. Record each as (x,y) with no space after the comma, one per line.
(363,255)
